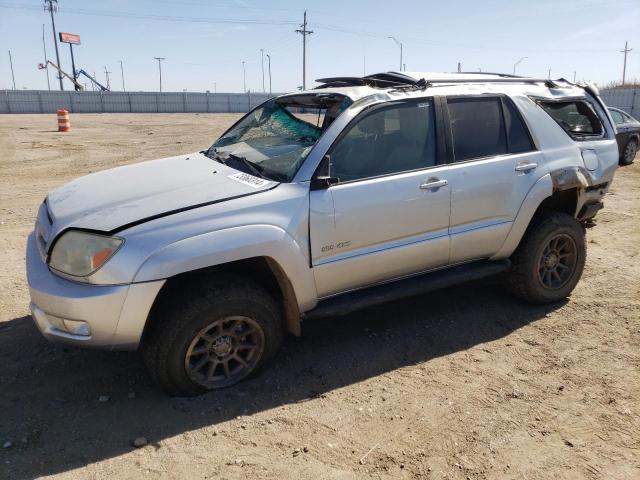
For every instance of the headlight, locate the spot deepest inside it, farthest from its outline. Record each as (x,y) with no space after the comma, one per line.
(80,253)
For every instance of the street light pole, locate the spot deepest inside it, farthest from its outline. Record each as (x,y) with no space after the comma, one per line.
(262,54)
(44,48)
(399,43)
(160,59)
(122,75)
(269,59)
(12,77)
(518,63)
(244,78)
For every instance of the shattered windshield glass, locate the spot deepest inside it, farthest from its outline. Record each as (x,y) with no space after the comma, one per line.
(273,140)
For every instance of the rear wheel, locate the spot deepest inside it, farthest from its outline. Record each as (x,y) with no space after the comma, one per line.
(550,259)
(630,151)
(212,337)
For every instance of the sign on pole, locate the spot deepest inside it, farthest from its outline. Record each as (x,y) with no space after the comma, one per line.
(69,38)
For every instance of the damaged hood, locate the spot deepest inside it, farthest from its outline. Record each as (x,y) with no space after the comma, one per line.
(114,199)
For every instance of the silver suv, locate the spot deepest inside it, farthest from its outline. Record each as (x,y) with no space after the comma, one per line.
(317,203)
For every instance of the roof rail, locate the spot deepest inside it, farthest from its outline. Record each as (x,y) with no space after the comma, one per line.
(401,81)
(546,81)
(506,75)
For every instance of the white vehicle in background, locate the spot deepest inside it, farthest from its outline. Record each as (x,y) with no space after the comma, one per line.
(318,203)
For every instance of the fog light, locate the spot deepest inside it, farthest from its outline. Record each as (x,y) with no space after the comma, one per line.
(57,323)
(77,327)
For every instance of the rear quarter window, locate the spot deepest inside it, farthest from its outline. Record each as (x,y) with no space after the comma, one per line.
(576,117)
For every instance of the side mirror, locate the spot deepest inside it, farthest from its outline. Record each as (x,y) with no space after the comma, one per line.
(324,182)
(324,179)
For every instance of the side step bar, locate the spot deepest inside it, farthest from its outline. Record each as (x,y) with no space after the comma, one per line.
(408,287)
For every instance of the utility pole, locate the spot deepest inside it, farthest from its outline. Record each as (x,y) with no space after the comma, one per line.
(160,59)
(459,67)
(106,73)
(549,76)
(262,53)
(244,78)
(399,43)
(122,75)
(52,6)
(624,65)
(46,64)
(518,63)
(574,76)
(304,32)
(12,77)
(269,59)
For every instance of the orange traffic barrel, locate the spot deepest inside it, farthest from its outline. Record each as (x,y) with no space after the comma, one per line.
(64,123)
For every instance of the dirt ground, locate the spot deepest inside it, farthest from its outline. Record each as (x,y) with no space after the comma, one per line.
(466,383)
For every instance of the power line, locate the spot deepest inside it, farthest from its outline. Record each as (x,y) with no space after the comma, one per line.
(164,18)
(322,26)
(304,32)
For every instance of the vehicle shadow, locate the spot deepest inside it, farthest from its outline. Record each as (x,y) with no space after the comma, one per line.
(52,414)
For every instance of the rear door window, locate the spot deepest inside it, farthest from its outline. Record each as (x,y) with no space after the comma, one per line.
(576,117)
(477,127)
(518,138)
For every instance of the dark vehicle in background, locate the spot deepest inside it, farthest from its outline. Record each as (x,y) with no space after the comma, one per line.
(628,135)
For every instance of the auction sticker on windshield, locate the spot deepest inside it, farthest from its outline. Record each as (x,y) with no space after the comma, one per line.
(250,180)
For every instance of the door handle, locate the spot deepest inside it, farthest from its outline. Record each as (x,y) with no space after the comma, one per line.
(525,167)
(433,184)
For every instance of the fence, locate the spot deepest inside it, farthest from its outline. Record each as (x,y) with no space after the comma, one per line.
(627,100)
(44,101)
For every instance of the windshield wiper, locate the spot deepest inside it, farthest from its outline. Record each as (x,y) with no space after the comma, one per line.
(255,168)
(213,154)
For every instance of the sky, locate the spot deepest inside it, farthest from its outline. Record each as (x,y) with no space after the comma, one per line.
(205,42)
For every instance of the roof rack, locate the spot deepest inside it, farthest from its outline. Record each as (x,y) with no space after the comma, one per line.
(401,81)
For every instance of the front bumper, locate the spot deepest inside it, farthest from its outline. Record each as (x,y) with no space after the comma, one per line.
(115,314)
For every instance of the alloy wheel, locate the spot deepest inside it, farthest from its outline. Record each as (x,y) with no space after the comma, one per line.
(630,152)
(558,261)
(224,352)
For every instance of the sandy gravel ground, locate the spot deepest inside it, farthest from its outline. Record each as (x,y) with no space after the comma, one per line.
(462,384)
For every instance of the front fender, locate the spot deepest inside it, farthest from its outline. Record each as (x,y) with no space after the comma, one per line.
(232,244)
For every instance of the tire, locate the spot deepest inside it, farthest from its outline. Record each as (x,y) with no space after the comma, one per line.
(556,242)
(629,153)
(211,335)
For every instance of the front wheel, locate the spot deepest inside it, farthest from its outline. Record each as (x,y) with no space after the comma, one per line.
(549,261)
(212,336)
